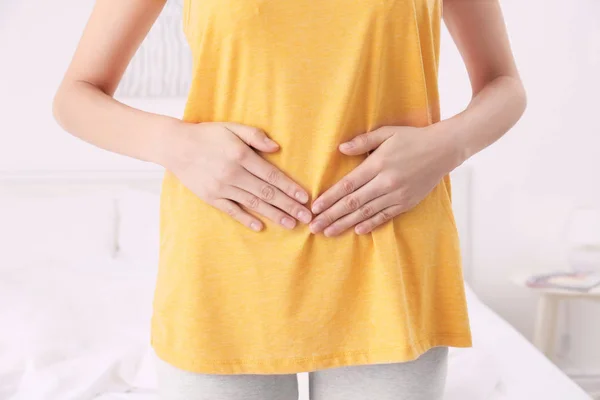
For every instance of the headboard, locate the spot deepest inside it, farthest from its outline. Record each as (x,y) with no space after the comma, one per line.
(64,182)
(114,182)
(462,182)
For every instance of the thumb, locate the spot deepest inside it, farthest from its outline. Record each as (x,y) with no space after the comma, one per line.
(365,142)
(253,137)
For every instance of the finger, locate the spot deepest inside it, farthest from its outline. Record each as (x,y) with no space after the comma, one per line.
(236,212)
(378,219)
(347,185)
(328,219)
(366,141)
(270,194)
(252,202)
(266,171)
(252,136)
(363,213)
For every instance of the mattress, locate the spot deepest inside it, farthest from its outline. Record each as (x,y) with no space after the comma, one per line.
(81,331)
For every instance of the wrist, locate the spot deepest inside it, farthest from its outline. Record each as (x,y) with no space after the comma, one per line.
(173,140)
(449,143)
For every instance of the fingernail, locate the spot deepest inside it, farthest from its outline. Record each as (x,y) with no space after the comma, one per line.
(301,196)
(316,226)
(317,208)
(304,217)
(347,145)
(255,226)
(287,222)
(361,229)
(329,231)
(270,142)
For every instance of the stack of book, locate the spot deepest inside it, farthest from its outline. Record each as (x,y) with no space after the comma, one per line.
(576,281)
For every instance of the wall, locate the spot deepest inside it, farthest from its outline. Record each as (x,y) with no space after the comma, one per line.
(37,39)
(524,185)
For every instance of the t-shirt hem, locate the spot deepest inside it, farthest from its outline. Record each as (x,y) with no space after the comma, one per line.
(314,363)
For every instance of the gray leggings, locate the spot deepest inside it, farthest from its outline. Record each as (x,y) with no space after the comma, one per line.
(420,379)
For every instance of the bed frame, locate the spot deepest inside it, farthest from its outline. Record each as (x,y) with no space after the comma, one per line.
(36,183)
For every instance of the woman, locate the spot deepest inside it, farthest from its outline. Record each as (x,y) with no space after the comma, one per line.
(306,220)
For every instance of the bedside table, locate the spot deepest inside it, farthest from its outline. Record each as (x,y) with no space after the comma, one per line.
(547,311)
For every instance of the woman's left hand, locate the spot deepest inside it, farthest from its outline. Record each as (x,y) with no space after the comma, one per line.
(404,165)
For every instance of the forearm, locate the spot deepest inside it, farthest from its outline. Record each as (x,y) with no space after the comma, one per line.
(490,114)
(88,113)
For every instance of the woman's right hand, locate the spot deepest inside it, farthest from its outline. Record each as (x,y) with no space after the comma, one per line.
(216,162)
(212,159)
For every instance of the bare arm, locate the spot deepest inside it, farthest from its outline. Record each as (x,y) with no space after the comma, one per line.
(407,162)
(212,159)
(499,99)
(83,104)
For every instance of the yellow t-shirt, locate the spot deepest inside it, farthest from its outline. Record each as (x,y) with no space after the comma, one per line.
(312,74)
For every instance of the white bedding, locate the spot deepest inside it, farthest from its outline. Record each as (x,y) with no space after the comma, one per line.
(80,331)
(524,372)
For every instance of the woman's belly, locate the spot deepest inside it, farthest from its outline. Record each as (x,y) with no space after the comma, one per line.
(309,94)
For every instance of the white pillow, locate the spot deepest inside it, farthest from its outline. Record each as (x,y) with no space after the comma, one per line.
(138,226)
(56,227)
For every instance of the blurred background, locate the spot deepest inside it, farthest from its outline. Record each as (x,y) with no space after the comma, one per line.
(78,225)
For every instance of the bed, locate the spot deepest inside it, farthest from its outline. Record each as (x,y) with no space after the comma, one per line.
(76,282)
